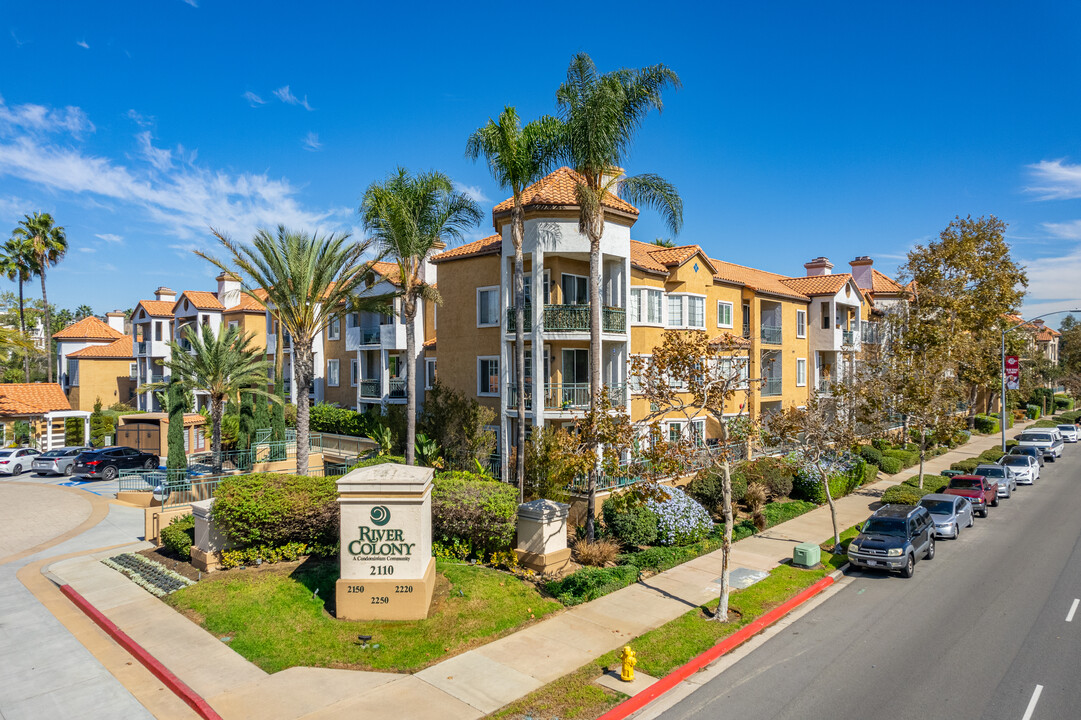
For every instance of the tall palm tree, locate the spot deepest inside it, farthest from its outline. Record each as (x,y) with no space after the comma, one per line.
(49,244)
(83,311)
(17,264)
(309,281)
(602,115)
(223,366)
(517,158)
(407,216)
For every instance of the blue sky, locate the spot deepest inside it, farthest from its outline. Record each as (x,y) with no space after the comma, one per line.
(802,129)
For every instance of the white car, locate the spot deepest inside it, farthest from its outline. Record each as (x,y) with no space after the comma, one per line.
(1025,468)
(1046,439)
(14,460)
(1069,433)
(1007,481)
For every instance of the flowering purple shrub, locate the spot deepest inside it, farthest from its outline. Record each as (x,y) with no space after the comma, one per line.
(680,520)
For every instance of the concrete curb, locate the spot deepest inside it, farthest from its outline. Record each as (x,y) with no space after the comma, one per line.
(674,678)
(171,681)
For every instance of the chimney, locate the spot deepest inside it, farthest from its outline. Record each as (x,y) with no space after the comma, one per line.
(819,266)
(861,271)
(228,289)
(614,172)
(115,320)
(164,293)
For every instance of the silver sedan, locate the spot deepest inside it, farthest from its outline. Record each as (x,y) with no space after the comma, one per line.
(950,513)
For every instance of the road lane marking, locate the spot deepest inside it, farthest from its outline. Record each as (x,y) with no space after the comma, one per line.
(1073,609)
(1032,703)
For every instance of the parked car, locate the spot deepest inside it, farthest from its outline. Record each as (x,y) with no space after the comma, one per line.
(106,464)
(1025,468)
(57,462)
(1007,483)
(949,512)
(1069,433)
(894,538)
(981,491)
(14,460)
(1047,440)
(1034,452)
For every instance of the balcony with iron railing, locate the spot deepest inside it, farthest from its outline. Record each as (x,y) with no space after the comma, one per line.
(771,387)
(397,388)
(570,318)
(565,397)
(141,347)
(371,388)
(771,334)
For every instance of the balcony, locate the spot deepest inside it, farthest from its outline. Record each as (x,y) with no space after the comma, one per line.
(371,388)
(565,397)
(848,337)
(771,334)
(871,333)
(140,347)
(571,318)
(771,387)
(397,387)
(369,336)
(184,344)
(157,378)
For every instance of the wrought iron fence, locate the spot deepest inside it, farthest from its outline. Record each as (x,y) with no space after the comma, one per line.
(637,471)
(570,318)
(397,387)
(370,388)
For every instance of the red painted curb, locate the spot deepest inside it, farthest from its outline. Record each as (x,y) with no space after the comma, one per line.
(182,691)
(730,643)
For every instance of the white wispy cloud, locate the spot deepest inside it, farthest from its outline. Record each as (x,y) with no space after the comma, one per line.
(1055,180)
(110,238)
(193,3)
(88,250)
(169,187)
(1064,230)
(286,96)
(83,44)
(140,119)
(473,192)
(18,42)
(253,99)
(311,142)
(40,119)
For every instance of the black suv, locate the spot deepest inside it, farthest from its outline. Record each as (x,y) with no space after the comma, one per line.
(107,463)
(894,538)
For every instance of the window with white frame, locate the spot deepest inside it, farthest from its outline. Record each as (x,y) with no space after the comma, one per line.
(354,372)
(187,440)
(133,370)
(488,376)
(801,372)
(333,376)
(429,373)
(675,432)
(801,323)
(234,324)
(696,311)
(488,307)
(724,314)
(675,311)
(646,306)
(735,370)
(698,432)
(334,329)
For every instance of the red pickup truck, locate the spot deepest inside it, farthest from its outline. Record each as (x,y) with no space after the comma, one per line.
(981,491)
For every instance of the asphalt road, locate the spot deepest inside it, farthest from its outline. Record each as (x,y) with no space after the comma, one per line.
(980,631)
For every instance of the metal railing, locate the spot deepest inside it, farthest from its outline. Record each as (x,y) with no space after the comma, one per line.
(397,387)
(771,334)
(570,318)
(771,387)
(570,396)
(512,319)
(369,336)
(848,337)
(370,388)
(157,378)
(637,471)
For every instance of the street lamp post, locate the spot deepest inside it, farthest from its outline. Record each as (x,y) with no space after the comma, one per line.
(1002,397)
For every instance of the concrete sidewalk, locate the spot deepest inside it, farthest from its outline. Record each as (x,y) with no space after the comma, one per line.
(476,682)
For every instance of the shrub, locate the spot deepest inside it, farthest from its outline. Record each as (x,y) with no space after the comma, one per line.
(907,457)
(629,519)
(1032,412)
(680,520)
(598,553)
(890,465)
(986,424)
(270,554)
(931,483)
(1042,397)
(452,549)
(379,460)
(775,473)
(481,512)
(1045,423)
(591,583)
(178,536)
(991,455)
(777,513)
(1064,402)
(966,466)
(880,444)
(870,473)
(902,495)
(872,455)
(273,510)
(809,486)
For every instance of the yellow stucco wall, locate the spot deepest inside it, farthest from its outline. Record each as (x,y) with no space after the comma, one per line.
(107,379)
(344,395)
(249,323)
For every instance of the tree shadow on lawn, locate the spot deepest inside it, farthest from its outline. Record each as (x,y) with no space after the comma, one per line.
(319,575)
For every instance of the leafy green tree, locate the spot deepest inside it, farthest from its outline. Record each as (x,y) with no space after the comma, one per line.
(101,425)
(49,244)
(309,280)
(246,422)
(262,414)
(407,216)
(17,264)
(222,366)
(178,402)
(602,115)
(517,157)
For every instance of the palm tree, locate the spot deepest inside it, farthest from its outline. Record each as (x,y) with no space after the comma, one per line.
(17,264)
(602,115)
(49,243)
(83,311)
(408,216)
(306,281)
(223,366)
(517,158)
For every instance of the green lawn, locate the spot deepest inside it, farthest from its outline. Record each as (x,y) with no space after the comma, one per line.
(275,623)
(577,696)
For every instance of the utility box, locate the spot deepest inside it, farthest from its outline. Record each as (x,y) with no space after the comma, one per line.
(806,555)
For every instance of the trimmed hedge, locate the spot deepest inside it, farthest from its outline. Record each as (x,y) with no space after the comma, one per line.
(809,487)
(966,466)
(591,583)
(777,513)
(931,483)
(990,455)
(1064,402)
(627,517)
(903,495)
(179,535)
(870,473)
(987,424)
(380,460)
(890,465)
(1032,412)
(482,512)
(1045,423)
(871,454)
(907,457)
(272,509)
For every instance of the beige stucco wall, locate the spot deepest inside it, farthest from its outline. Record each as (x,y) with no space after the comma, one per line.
(345,394)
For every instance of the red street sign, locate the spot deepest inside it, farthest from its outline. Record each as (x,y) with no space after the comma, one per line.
(1013,373)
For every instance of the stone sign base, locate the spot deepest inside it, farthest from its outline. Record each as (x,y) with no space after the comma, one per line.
(385,598)
(552,562)
(205,561)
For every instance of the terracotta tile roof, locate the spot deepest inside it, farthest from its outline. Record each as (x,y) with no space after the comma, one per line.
(643,259)
(1045,334)
(32,398)
(89,328)
(429,344)
(556,189)
(189,418)
(728,338)
(118,349)
(200,300)
(491,245)
(755,279)
(882,283)
(248,303)
(156,308)
(811,285)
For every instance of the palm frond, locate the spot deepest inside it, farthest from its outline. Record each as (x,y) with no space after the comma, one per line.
(655,192)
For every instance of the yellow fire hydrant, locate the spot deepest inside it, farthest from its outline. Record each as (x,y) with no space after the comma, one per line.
(629,661)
